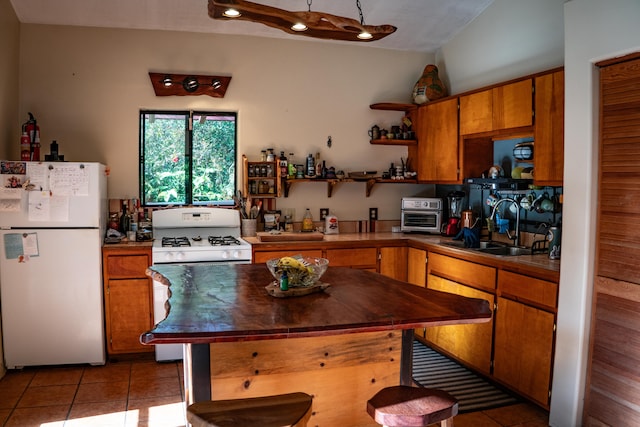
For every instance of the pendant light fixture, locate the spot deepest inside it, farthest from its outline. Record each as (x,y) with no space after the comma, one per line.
(189,84)
(319,25)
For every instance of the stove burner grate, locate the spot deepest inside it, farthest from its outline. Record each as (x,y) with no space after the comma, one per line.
(223,241)
(174,242)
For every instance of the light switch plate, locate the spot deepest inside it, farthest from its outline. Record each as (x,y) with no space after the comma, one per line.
(323,213)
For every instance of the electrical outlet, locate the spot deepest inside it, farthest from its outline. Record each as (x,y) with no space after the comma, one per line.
(373,214)
(323,213)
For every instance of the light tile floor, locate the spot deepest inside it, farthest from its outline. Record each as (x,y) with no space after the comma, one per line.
(140,392)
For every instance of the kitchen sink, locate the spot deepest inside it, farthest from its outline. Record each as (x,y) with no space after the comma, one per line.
(493,248)
(506,250)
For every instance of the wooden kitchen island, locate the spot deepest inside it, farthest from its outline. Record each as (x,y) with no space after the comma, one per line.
(341,345)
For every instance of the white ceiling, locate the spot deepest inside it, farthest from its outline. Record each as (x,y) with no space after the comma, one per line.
(423,25)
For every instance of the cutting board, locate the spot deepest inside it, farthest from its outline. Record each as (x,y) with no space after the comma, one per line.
(289,236)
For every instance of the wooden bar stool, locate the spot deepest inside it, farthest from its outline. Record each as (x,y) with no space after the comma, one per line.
(284,410)
(404,406)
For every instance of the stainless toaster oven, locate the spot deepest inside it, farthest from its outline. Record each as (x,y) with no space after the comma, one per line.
(421,214)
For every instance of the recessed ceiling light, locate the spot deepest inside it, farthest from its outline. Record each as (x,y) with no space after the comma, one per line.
(299,26)
(231,13)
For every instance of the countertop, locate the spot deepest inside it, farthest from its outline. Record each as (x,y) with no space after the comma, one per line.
(228,302)
(538,263)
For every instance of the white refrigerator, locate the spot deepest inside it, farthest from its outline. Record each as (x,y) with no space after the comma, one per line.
(51,234)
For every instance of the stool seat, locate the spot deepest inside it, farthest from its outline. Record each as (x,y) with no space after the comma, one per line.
(284,410)
(404,406)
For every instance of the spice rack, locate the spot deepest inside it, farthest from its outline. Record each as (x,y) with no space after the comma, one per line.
(261,179)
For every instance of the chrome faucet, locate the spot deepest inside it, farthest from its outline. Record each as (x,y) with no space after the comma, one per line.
(516,235)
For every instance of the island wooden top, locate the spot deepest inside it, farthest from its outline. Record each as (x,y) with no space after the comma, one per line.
(229,302)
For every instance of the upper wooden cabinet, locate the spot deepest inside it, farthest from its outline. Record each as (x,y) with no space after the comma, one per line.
(549,129)
(503,107)
(437,152)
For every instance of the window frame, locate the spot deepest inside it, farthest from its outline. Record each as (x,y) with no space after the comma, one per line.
(188,114)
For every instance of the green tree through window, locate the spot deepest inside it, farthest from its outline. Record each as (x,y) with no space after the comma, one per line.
(187,157)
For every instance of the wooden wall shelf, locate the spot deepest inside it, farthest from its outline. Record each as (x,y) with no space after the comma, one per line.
(331,183)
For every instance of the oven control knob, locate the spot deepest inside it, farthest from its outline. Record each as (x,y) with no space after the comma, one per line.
(168,256)
(225,254)
(237,254)
(180,256)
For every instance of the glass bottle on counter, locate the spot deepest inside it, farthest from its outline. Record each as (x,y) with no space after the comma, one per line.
(125,220)
(307,221)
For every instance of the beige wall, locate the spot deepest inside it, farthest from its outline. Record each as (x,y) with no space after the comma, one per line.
(86,85)
(9,51)
(9,48)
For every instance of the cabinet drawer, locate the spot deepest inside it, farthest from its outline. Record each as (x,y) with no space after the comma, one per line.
(365,257)
(262,257)
(127,266)
(465,272)
(520,287)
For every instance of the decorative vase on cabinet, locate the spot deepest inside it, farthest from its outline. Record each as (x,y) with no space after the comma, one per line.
(429,87)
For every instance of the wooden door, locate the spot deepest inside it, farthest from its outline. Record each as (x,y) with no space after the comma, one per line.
(438,146)
(523,343)
(549,129)
(612,394)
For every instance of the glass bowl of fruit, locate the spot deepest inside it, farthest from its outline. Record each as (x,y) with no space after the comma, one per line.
(301,271)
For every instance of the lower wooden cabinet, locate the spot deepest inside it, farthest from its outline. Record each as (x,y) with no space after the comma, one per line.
(393,262)
(417,274)
(469,343)
(523,349)
(364,258)
(516,348)
(128,298)
(262,257)
(525,334)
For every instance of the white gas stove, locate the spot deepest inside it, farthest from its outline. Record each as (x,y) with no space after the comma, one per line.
(185,235)
(192,235)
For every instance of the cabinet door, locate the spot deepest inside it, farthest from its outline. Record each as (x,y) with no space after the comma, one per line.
(469,343)
(438,146)
(129,314)
(262,257)
(417,266)
(503,107)
(523,349)
(513,105)
(417,274)
(476,112)
(549,130)
(393,262)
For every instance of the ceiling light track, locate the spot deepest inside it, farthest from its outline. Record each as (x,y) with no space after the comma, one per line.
(165,84)
(311,24)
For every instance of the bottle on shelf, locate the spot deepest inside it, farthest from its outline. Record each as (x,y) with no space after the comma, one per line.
(284,166)
(307,221)
(291,167)
(318,166)
(311,166)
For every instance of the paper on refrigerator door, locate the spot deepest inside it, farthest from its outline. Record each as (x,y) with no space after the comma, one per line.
(43,206)
(10,199)
(20,245)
